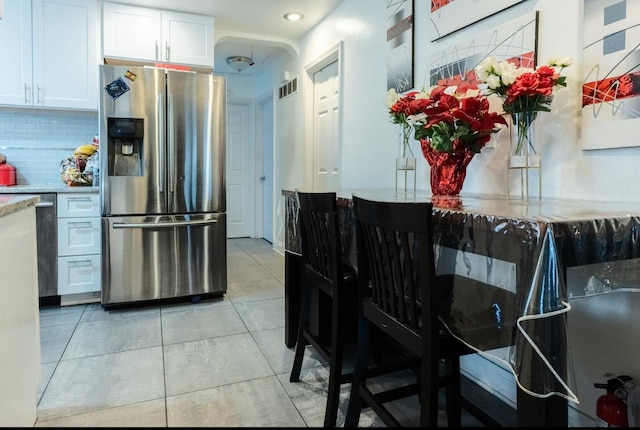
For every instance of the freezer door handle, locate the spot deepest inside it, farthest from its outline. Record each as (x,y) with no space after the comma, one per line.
(163,224)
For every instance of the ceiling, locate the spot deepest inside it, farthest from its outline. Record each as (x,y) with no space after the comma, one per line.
(252,28)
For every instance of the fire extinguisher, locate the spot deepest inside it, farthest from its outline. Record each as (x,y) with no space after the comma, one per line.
(611,408)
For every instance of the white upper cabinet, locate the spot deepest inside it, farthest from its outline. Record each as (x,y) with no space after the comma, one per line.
(187,38)
(49,54)
(16,53)
(131,32)
(151,35)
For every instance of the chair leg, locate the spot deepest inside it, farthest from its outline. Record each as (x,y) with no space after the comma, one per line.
(429,390)
(301,345)
(453,393)
(301,342)
(359,376)
(336,356)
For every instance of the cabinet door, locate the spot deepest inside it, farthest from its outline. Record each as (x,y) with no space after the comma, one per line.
(131,32)
(187,38)
(78,274)
(79,236)
(65,62)
(79,205)
(15,53)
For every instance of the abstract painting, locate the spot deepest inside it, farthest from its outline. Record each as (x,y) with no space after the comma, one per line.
(514,41)
(611,74)
(400,45)
(448,16)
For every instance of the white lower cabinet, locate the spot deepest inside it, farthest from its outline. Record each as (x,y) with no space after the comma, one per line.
(79,235)
(78,274)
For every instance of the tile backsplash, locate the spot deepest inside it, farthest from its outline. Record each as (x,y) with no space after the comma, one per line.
(36,141)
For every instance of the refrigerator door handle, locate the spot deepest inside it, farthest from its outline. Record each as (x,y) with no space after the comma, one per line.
(163,224)
(170,143)
(161,156)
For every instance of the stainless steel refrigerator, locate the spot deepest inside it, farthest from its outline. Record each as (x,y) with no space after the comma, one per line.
(162,183)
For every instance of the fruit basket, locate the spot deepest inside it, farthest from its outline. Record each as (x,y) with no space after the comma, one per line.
(78,169)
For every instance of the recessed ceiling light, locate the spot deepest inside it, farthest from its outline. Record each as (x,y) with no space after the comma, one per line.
(293,16)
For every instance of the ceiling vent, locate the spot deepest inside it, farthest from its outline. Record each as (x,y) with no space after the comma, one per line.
(290,87)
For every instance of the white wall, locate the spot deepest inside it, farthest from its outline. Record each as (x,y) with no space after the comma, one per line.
(369,140)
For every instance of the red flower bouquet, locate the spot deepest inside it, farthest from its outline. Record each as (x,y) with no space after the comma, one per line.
(524,91)
(452,120)
(452,124)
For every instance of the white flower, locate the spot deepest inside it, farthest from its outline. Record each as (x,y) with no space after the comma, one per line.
(392,97)
(419,118)
(486,68)
(493,81)
(560,62)
(422,95)
(509,72)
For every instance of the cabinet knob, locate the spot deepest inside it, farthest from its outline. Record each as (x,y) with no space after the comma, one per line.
(166,50)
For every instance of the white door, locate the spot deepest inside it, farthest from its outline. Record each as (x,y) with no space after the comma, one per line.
(267,169)
(240,189)
(326,128)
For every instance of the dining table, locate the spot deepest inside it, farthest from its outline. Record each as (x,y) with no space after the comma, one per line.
(504,262)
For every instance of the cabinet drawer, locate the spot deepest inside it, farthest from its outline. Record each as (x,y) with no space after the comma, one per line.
(78,205)
(78,236)
(78,274)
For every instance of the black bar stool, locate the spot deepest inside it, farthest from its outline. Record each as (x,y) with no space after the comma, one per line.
(325,276)
(399,296)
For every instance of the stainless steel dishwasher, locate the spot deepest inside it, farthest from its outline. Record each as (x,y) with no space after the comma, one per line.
(47,239)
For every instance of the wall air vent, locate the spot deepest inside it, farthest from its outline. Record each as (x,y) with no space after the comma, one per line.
(288,88)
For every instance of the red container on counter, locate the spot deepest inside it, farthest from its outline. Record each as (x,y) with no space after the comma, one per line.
(7,174)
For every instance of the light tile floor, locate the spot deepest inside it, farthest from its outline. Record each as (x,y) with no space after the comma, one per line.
(221,362)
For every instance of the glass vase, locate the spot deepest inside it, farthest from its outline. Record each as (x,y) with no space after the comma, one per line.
(525,157)
(405,162)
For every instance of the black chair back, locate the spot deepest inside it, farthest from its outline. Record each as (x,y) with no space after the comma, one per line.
(395,257)
(399,295)
(324,276)
(321,252)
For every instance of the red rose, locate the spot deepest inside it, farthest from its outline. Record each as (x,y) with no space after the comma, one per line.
(529,84)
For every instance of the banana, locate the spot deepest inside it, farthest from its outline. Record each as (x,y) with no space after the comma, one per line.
(85,150)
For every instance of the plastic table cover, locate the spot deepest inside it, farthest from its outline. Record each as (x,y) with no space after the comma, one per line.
(503,264)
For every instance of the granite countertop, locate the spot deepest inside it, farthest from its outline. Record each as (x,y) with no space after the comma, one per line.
(10,204)
(47,188)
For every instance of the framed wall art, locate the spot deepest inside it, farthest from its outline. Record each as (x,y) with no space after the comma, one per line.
(400,45)
(514,40)
(448,16)
(611,74)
